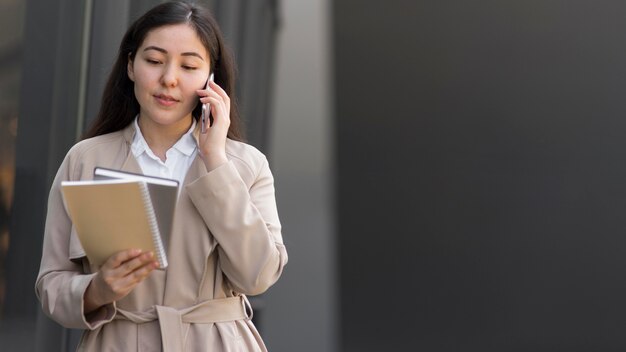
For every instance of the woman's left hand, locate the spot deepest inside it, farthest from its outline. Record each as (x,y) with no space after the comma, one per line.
(213,143)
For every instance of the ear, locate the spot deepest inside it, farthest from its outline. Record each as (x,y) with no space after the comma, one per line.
(129,69)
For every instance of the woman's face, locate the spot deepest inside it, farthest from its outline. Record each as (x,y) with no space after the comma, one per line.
(168,68)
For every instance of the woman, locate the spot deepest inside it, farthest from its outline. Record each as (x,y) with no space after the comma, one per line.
(226,240)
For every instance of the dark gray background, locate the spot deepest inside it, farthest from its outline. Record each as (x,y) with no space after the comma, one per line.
(481,174)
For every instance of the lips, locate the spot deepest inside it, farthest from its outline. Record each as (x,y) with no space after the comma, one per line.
(165,100)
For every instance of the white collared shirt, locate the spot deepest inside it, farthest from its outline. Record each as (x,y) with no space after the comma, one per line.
(178,158)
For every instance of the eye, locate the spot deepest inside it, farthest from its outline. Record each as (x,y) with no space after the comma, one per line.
(153,62)
(190,68)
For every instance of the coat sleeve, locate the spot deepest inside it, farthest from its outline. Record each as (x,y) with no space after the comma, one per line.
(61,282)
(244,221)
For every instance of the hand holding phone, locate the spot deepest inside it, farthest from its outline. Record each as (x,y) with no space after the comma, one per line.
(206,108)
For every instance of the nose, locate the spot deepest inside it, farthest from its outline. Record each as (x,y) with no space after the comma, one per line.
(169,78)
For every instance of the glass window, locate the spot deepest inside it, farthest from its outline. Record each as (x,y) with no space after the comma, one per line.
(11,21)
(56,30)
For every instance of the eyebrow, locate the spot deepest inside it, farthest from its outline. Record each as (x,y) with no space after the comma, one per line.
(189,53)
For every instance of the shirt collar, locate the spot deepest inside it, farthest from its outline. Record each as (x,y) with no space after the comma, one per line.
(186,144)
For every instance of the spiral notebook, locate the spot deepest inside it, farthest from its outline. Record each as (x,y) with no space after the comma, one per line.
(113,214)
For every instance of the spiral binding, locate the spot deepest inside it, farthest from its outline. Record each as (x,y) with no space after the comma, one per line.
(154,226)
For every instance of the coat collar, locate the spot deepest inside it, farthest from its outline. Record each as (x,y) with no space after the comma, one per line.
(197,168)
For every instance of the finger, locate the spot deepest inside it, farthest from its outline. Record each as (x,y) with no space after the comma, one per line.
(217,101)
(220,117)
(215,87)
(211,88)
(120,257)
(217,91)
(206,100)
(213,101)
(203,92)
(222,112)
(133,264)
(121,286)
(138,275)
(217,106)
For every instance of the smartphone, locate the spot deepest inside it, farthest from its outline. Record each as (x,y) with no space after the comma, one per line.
(206,109)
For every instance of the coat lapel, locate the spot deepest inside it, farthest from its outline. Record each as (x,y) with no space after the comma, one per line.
(130,164)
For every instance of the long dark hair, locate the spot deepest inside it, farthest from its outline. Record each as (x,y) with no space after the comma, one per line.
(119,105)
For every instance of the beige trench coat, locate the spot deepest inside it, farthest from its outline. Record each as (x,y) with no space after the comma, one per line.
(226,243)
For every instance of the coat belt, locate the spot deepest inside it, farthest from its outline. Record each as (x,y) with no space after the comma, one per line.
(171,319)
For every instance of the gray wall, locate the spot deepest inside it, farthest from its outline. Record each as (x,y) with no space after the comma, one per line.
(482,175)
(301,312)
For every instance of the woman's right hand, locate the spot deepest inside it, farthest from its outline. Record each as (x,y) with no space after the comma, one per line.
(117,277)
